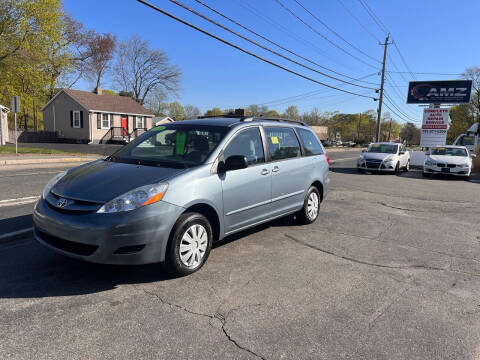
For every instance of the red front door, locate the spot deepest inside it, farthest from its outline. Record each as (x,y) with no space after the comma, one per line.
(124,126)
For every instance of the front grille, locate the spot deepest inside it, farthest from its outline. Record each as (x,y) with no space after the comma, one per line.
(129,249)
(440,165)
(451,165)
(67,245)
(73,206)
(373,164)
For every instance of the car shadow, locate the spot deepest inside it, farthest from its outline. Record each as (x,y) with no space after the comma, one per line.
(15,223)
(30,270)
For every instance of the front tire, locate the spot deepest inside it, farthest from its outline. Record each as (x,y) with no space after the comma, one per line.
(407,166)
(311,207)
(425,174)
(189,245)
(397,168)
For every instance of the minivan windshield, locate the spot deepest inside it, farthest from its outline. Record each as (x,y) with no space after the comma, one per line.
(382,148)
(172,145)
(449,151)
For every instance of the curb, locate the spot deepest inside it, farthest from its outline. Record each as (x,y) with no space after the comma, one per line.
(16,235)
(46,160)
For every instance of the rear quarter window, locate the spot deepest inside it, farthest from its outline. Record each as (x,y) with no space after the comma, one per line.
(310,142)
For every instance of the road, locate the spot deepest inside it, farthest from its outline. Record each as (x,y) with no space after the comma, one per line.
(390,270)
(21,186)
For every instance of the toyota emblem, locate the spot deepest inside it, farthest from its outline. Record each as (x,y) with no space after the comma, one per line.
(62,202)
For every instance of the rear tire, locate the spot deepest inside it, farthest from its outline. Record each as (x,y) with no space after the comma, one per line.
(189,245)
(311,207)
(425,175)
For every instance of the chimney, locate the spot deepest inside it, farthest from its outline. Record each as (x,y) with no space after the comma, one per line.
(240,112)
(98,91)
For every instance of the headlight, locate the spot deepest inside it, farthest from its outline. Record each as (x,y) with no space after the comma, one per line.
(51,183)
(467,164)
(388,159)
(135,199)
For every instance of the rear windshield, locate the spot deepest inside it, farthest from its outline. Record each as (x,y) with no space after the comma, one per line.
(449,151)
(466,140)
(172,145)
(382,148)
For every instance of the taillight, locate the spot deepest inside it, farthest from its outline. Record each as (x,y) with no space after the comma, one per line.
(328,158)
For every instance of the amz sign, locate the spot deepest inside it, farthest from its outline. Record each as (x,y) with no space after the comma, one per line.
(439,92)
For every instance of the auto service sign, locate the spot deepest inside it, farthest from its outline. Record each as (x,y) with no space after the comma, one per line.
(434,127)
(439,92)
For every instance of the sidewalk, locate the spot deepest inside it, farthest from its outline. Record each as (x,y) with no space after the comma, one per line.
(38,159)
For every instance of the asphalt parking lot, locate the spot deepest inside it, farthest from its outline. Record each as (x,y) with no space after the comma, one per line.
(390,270)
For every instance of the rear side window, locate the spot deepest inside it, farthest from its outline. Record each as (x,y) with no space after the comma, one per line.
(247,143)
(282,143)
(310,142)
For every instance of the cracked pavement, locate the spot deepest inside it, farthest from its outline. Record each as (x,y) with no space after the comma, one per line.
(391,270)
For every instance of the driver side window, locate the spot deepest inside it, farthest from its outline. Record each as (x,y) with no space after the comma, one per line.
(247,143)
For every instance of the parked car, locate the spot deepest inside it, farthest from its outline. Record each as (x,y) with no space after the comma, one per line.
(173,191)
(470,140)
(453,160)
(385,157)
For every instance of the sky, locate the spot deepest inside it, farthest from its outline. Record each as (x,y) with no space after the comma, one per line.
(431,36)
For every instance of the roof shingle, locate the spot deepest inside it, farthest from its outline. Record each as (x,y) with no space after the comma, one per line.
(107,102)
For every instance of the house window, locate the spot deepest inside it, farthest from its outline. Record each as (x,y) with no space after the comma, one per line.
(105,121)
(76,119)
(139,122)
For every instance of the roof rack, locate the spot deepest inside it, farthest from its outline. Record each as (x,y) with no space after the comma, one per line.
(279,120)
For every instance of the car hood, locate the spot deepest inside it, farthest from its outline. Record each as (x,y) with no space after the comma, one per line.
(450,159)
(375,156)
(102,181)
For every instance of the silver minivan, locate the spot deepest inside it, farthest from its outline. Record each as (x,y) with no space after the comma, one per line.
(176,189)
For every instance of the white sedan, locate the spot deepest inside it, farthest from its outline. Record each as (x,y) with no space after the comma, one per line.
(385,157)
(453,160)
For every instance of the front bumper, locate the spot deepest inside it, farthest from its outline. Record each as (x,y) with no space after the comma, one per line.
(456,171)
(381,166)
(133,237)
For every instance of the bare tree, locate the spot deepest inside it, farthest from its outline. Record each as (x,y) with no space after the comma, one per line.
(141,70)
(191,111)
(102,48)
(473,73)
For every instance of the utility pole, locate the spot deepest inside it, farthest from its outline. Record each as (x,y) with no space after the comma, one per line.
(389,129)
(380,100)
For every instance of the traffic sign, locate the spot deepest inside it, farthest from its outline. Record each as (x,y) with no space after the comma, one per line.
(15,104)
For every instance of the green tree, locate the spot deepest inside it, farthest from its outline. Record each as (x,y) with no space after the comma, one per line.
(216,111)
(176,111)
(462,116)
(410,133)
(292,112)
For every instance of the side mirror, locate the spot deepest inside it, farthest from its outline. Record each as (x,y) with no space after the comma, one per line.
(236,162)
(363,150)
(473,155)
(401,153)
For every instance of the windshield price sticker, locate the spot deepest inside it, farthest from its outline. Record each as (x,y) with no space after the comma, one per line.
(274,139)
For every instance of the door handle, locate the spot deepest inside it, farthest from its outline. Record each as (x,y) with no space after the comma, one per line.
(276,169)
(265,172)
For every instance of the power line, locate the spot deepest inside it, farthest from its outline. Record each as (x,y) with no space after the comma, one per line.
(275,43)
(401,117)
(373,16)
(305,95)
(396,107)
(422,73)
(358,20)
(334,32)
(246,51)
(288,32)
(321,35)
(382,27)
(264,47)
